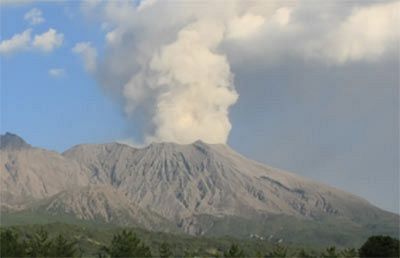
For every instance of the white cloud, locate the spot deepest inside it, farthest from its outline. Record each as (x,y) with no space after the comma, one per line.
(282,16)
(16,43)
(57,72)
(34,16)
(244,26)
(45,42)
(171,64)
(48,41)
(88,53)
(328,34)
(368,33)
(145,4)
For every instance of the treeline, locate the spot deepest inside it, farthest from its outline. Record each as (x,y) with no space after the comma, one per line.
(127,244)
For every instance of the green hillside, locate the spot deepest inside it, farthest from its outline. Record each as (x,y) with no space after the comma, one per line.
(268,231)
(91,238)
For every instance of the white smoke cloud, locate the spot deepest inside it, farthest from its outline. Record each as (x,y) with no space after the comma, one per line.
(244,26)
(195,85)
(170,61)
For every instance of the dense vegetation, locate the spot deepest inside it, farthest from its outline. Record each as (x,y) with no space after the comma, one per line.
(73,241)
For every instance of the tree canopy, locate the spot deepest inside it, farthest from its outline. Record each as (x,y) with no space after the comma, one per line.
(126,244)
(165,250)
(234,251)
(380,246)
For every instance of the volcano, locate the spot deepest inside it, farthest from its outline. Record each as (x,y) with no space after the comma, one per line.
(197,189)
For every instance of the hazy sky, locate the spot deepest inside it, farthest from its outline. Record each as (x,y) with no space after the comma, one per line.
(307,86)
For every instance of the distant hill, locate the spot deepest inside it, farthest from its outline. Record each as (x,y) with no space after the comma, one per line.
(12,141)
(198,189)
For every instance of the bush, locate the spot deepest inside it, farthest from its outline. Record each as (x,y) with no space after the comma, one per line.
(39,244)
(126,244)
(234,251)
(303,254)
(279,251)
(62,248)
(165,251)
(380,246)
(330,252)
(349,253)
(10,246)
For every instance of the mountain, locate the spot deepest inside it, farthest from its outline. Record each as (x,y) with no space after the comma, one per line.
(179,181)
(28,174)
(199,188)
(12,141)
(101,203)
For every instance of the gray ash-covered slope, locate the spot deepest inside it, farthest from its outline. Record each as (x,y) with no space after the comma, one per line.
(28,174)
(179,181)
(197,188)
(187,183)
(101,203)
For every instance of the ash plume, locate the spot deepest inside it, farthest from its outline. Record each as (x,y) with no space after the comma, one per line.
(169,62)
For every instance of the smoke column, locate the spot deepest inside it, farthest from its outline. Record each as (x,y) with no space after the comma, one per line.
(167,61)
(193,85)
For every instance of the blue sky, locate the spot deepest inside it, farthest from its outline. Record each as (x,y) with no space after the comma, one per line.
(305,102)
(54,112)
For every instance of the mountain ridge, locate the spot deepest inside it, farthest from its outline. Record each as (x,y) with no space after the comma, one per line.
(12,141)
(194,188)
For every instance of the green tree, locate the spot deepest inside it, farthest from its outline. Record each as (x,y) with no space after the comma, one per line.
(259,254)
(303,254)
(349,253)
(330,252)
(10,245)
(62,247)
(380,246)
(234,251)
(278,251)
(190,254)
(165,250)
(39,245)
(126,244)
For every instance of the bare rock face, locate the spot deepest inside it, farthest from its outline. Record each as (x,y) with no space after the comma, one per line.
(166,185)
(101,203)
(180,181)
(29,174)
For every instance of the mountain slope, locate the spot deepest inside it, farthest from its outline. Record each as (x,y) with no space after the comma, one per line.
(197,188)
(101,203)
(182,182)
(28,174)
(13,142)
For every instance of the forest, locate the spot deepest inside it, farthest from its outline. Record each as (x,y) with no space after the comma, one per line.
(39,242)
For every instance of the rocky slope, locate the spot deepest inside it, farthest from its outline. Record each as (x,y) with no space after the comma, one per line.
(101,203)
(178,181)
(28,174)
(198,188)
